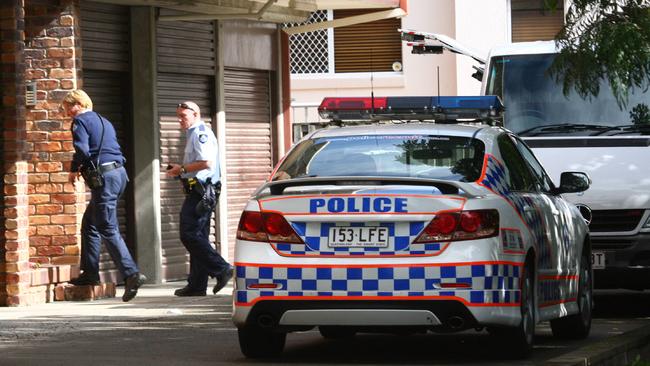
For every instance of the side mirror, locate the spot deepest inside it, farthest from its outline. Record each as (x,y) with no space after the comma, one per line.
(574,182)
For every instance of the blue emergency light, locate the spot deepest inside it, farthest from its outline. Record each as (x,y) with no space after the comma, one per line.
(442,109)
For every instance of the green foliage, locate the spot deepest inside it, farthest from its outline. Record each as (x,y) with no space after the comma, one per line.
(604,40)
(639,362)
(640,114)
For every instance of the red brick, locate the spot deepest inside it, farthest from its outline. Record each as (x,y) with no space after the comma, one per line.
(59,177)
(50,230)
(49,84)
(67,84)
(66,20)
(39,178)
(45,42)
(64,219)
(39,220)
(62,73)
(46,63)
(37,135)
(48,146)
(48,167)
(50,251)
(87,293)
(68,146)
(50,188)
(35,74)
(59,52)
(71,250)
(66,259)
(67,42)
(62,156)
(64,239)
(60,136)
(39,260)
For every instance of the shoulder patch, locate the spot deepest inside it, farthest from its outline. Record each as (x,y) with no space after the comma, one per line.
(203,138)
(74,126)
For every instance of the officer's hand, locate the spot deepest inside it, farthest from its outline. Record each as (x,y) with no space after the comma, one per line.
(73,176)
(173,170)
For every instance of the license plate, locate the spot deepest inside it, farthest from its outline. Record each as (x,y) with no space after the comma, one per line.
(598,260)
(358,237)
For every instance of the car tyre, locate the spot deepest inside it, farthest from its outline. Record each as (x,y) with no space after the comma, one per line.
(577,326)
(521,337)
(256,342)
(335,332)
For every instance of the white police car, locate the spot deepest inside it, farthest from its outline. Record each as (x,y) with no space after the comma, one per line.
(411,227)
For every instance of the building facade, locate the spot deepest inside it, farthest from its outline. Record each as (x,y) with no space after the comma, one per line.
(479,24)
(137,59)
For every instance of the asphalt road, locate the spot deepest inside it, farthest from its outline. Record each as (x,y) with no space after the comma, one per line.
(159,329)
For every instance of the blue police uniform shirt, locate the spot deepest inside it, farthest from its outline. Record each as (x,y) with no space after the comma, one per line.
(201,144)
(87,134)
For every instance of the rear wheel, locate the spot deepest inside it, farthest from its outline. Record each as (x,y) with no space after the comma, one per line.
(521,337)
(256,342)
(577,326)
(336,332)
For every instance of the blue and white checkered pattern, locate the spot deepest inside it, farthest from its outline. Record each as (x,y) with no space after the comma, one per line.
(496,180)
(316,234)
(488,283)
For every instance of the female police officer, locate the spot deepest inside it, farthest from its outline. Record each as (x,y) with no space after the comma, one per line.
(200,169)
(96,148)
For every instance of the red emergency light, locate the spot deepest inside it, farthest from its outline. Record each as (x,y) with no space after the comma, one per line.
(351,107)
(405,108)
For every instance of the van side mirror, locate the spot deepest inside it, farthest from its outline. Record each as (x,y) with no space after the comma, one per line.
(573,182)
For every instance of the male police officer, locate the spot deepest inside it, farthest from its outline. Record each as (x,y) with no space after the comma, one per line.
(97,149)
(199,170)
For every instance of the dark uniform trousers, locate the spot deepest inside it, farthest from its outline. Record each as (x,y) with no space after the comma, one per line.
(100,222)
(195,230)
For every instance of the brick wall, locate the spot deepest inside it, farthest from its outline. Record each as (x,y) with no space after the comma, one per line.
(41,210)
(52,56)
(15,267)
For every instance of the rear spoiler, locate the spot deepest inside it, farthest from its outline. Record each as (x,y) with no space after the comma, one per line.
(446,187)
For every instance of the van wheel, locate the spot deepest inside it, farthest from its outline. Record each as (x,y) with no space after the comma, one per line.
(256,342)
(334,332)
(577,326)
(521,338)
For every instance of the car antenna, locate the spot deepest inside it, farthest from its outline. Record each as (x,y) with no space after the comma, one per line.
(372,88)
(438,78)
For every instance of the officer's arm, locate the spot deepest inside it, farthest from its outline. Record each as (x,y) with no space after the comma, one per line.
(81,145)
(206,151)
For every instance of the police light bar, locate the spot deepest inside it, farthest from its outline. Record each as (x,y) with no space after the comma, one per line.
(412,108)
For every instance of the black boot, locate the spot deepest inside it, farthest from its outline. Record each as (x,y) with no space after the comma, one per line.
(86,279)
(131,285)
(187,291)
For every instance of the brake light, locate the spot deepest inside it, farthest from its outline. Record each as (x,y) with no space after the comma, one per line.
(251,227)
(266,227)
(464,225)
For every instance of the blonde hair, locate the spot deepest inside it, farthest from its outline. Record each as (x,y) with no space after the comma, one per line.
(80,97)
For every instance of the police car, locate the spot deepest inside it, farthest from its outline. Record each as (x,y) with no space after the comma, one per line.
(411,227)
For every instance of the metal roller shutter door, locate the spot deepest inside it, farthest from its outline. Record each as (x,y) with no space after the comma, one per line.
(199,89)
(105,41)
(186,68)
(248,138)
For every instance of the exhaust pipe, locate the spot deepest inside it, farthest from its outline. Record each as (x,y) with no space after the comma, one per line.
(265,320)
(455,322)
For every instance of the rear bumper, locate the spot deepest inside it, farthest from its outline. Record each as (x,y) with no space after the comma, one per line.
(413,295)
(627,261)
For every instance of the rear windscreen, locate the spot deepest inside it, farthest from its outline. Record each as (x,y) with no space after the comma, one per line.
(416,156)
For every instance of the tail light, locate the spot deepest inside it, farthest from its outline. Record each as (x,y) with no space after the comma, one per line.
(464,225)
(266,227)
